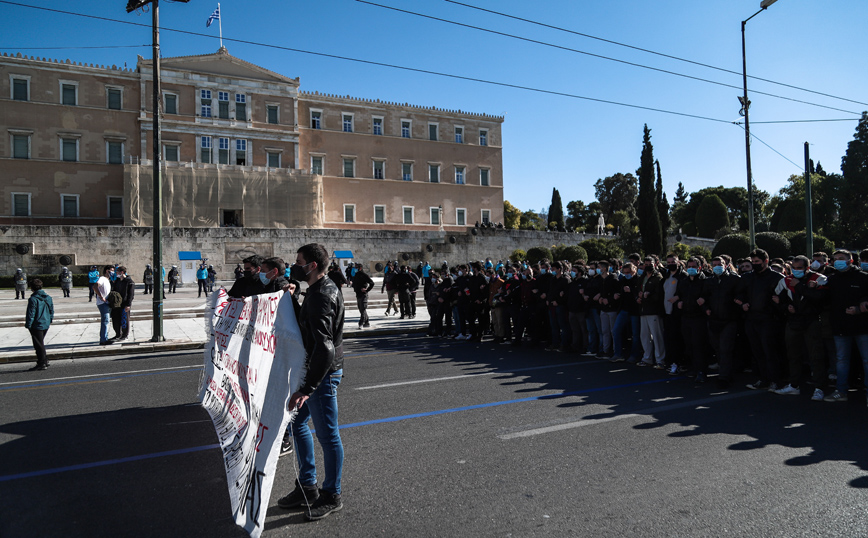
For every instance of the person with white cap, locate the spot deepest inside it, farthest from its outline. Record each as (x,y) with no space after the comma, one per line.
(20,283)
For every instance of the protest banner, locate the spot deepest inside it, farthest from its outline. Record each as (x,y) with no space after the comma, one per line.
(253,362)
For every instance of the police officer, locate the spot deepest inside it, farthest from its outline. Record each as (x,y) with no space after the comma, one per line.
(65,278)
(20,283)
(148,279)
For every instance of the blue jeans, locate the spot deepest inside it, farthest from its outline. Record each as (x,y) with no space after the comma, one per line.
(322,408)
(844,350)
(622,321)
(593,321)
(105,320)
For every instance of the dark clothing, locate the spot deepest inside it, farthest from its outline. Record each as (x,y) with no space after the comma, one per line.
(689,291)
(120,316)
(575,299)
(847,288)
(719,293)
(247,286)
(37,336)
(40,311)
(652,284)
(173,278)
(322,328)
(757,289)
(362,283)
(148,279)
(338,277)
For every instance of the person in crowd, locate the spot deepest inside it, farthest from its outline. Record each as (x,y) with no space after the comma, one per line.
(629,316)
(389,287)
(511,298)
(148,280)
(577,303)
(337,276)
(414,289)
(426,279)
(174,278)
(497,306)
(321,320)
(718,301)
(202,279)
(559,318)
(239,272)
(348,274)
(92,278)
(527,302)
(863,260)
(102,288)
(848,312)
(362,285)
(445,296)
(212,278)
(249,284)
(650,297)
(461,310)
(761,322)
(593,290)
(477,322)
(672,334)
(120,315)
(800,295)
(608,305)
(20,278)
(270,275)
(65,279)
(40,314)
(694,321)
(403,281)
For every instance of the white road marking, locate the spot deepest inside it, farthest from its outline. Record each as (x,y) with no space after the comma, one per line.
(641,413)
(99,375)
(465,376)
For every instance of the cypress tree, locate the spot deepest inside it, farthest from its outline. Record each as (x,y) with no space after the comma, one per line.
(662,204)
(649,218)
(556,210)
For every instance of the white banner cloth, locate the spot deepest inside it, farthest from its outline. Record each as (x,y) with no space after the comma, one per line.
(253,362)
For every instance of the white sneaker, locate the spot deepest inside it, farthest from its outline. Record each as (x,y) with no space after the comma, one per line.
(789,390)
(818,395)
(714,366)
(773,387)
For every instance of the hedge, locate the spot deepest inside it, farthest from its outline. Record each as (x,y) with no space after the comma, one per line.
(711,216)
(518,255)
(735,245)
(774,243)
(536,254)
(798,244)
(48,281)
(570,253)
(601,249)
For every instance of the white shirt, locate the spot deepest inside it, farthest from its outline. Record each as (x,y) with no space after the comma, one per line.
(103,288)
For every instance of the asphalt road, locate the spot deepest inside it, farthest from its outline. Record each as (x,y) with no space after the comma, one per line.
(442,438)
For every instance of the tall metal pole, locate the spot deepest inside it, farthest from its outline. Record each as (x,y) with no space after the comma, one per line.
(158,183)
(809,210)
(746,105)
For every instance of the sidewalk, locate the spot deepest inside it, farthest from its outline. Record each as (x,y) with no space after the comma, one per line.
(75,330)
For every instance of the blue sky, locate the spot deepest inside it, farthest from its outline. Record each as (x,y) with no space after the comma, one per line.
(549,140)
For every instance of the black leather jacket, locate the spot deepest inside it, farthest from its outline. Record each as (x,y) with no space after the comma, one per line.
(322,328)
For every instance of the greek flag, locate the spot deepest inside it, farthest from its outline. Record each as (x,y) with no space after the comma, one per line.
(214,17)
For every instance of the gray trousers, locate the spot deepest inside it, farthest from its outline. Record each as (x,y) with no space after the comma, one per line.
(652,339)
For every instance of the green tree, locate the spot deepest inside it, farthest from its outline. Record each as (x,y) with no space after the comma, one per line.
(530,220)
(617,193)
(601,249)
(735,199)
(789,212)
(581,217)
(680,194)
(711,216)
(511,215)
(556,210)
(854,195)
(646,210)
(662,204)
(536,254)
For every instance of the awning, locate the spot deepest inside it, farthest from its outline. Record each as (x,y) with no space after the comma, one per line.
(343,254)
(186,255)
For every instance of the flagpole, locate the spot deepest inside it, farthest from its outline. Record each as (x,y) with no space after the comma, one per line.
(220,20)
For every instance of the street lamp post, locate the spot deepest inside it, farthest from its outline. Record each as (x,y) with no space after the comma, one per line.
(745,104)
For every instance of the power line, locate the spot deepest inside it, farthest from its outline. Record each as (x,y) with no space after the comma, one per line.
(724,70)
(800,121)
(608,58)
(771,148)
(381,64)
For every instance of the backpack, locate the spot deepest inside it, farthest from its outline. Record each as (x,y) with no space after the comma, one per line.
(114,299)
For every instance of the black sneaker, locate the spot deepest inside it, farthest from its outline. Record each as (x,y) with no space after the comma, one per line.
(286,445)
(301,496)
(325,505)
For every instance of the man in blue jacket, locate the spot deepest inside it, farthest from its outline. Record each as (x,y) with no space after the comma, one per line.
(40,313)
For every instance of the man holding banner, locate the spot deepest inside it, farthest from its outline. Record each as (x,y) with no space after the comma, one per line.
(321,321)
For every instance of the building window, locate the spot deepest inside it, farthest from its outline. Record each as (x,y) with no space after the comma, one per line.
(379,169)
(20,204)
(434,173)
(69,205)
(432,131)
(241,152)
(407,171)
(435,216)
(171,154)
(348,123)
(408,215)
(316,119)
(115,207)
(170,103)
(484,177)
(223,105)
(461,217)
(20,146)
(240,107)
(459,135)
(349,212)
(69,149)
(223,150)
(349,168)
(378,126)
(69,94)
(206,149)
(273,159)
(271,114)
(379,214)
(113,96)
(406,128)
(459,175)
(486,216)
(20,89)
(316,165)
(205,99)
(115,152)
(483,137)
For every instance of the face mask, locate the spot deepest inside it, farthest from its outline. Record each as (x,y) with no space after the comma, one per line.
(524,266)
(611,269)
(487,278)
(864,266)
(542,271)
(841,265)
(718,270)
(757,267)
(628,276)
(264,279)
(572,274)
(460,273)
(248,274)
(798,274)
(523,276)
(640,271)
(815,265)
(672,267)
(297,272)
(692,271)
(509,276)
